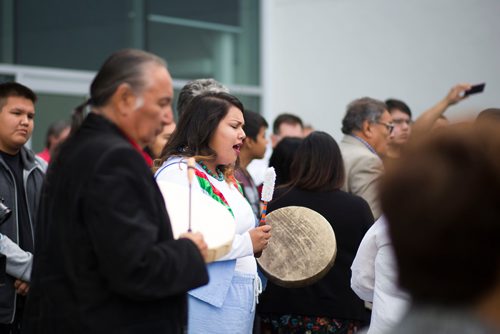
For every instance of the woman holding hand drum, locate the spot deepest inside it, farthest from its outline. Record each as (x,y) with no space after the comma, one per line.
(328,305)
(211,131)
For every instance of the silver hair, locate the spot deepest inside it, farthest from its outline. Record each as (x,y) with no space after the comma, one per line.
(360,110)
(197,87)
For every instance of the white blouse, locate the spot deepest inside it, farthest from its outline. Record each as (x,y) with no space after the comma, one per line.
(374,279)
(175,170)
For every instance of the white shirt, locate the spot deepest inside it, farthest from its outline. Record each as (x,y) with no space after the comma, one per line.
(374,279)
(174,170)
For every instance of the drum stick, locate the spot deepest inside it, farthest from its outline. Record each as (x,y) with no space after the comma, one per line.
(190,172)
(266,196)
(267,192)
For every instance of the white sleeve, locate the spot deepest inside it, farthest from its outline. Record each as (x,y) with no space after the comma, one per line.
(18,261)
(363,266)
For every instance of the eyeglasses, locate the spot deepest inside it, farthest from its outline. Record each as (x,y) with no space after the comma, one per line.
(388,126)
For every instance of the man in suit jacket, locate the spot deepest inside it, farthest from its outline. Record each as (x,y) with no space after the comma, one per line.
(367,126)
(107,261)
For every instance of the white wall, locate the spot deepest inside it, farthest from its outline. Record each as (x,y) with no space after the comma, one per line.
(326,53)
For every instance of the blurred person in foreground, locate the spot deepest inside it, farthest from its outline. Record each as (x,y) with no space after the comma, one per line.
(442,203)
(108,262)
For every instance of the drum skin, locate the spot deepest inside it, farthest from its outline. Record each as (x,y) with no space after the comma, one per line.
(302,248)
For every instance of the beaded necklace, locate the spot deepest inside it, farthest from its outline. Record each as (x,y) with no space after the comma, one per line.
(218,177)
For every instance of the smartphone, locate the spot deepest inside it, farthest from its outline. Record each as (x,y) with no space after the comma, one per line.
(479,88)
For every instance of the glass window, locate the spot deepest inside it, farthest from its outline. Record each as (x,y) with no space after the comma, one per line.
(7,77)
(206,39)
(250,102)
(71,34)
(199,38)
(6,31)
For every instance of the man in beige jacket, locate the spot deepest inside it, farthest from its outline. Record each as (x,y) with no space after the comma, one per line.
(367,126)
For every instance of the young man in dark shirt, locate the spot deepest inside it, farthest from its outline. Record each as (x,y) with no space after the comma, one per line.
(21,177)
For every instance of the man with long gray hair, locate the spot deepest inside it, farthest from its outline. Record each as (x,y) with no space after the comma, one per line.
(367,126)
(108,262)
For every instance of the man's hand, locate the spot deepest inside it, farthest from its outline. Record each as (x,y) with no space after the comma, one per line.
(456,93)
(22,287)
(198,240)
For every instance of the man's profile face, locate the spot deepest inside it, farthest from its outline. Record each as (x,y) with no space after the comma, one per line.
(150,117)
(402,127)
(259,145)
(381,133)
(16,123)
(287,130)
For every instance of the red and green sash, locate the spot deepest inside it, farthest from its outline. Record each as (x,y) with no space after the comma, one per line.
(213,192)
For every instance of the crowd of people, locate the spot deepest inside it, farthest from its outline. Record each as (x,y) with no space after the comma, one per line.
(89,245)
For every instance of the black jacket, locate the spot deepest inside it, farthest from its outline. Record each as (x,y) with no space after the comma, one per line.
(350,218)
(33,174)
(108,262)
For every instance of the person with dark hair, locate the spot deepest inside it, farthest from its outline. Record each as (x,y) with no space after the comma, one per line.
(401,118)
(56,134)
(286,125)
(254,147)
(430,119)
(188,92)
(211,131)
(442,206)
(367,126)
(196,87)
(317,175)
(282,158)
(108,261)
(21,178)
